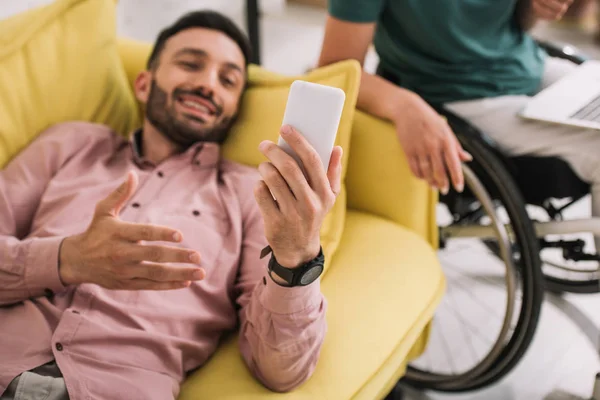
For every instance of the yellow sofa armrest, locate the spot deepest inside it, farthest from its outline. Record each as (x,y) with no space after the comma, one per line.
(379,180)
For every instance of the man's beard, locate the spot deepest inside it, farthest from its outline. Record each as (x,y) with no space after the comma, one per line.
(164,118)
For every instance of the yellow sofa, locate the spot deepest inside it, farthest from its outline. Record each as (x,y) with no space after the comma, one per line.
(383,282)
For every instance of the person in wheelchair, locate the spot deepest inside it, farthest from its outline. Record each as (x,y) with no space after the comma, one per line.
(472,59)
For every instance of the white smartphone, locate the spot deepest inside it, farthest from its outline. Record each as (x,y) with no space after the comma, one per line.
(315,111)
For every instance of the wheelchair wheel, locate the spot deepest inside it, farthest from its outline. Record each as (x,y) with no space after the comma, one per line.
(493,200)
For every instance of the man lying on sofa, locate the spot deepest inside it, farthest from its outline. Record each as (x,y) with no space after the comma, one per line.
(123,262)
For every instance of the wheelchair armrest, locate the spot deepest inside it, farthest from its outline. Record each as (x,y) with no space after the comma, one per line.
(567,51)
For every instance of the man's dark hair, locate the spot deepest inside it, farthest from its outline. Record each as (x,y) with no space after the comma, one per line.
(201,19)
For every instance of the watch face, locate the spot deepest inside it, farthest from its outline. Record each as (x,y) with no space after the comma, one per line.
(310,275)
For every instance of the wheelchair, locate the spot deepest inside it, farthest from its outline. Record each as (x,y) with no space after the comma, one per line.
(495,207)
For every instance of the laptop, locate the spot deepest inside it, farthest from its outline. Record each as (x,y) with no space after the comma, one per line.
(572,100)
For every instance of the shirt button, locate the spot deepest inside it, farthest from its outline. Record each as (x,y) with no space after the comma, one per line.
(135,205)
(48,292)
(160,174)
(59,347)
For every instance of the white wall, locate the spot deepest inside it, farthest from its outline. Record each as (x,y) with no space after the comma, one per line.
(291,35)
(143,19)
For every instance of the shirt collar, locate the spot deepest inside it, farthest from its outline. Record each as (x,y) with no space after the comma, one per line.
(203,154)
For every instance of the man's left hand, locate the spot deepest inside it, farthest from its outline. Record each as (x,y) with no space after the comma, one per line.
(293,206)
(550,9)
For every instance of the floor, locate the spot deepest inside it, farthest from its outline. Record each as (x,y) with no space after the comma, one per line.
(563,358)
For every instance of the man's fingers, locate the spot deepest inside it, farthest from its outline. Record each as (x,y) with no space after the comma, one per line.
(277,185)
(136,232)
(439,172)
(542,11)
(112,205)
(315,170)
(454,154)
(413,163)
(334,171)
(163,272)
(426,171)
(147,284)
(266,203)
(550,9)
(452,160)
(287,168)
(158,254)
(465,156)
(554,5)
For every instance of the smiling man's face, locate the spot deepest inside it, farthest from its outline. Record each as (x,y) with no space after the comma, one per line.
(193,91)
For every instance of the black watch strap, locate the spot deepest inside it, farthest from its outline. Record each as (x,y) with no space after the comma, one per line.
(300,276)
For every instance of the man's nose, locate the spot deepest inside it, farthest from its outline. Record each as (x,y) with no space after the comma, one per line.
(208,82)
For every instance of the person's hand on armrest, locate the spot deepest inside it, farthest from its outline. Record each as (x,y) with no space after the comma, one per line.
(432,150)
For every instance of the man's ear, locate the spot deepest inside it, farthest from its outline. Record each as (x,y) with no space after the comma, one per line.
(142,86)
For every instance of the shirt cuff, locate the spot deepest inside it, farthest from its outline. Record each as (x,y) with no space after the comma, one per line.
(41,266)
(285,300)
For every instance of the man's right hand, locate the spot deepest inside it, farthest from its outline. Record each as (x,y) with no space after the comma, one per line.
(432,150)
(111,253)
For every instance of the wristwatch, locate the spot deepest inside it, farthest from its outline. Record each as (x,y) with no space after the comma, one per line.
(300,276)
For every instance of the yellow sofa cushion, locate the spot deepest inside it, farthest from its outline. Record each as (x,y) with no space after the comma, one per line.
(261,114)
(380,182)
(370,335)
(60,62)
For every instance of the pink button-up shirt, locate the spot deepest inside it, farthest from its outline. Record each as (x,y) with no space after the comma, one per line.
(140,344)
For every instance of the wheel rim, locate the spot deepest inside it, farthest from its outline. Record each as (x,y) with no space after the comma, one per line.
(450,382)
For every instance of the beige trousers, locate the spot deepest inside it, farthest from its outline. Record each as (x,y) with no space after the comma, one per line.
(497,117)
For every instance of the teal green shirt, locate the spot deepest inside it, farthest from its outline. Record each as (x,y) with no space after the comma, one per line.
(450,50)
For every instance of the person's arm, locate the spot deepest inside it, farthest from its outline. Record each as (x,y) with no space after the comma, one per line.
(377,96)
(282,329)
(29,266)
(430,145)
(529,12)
